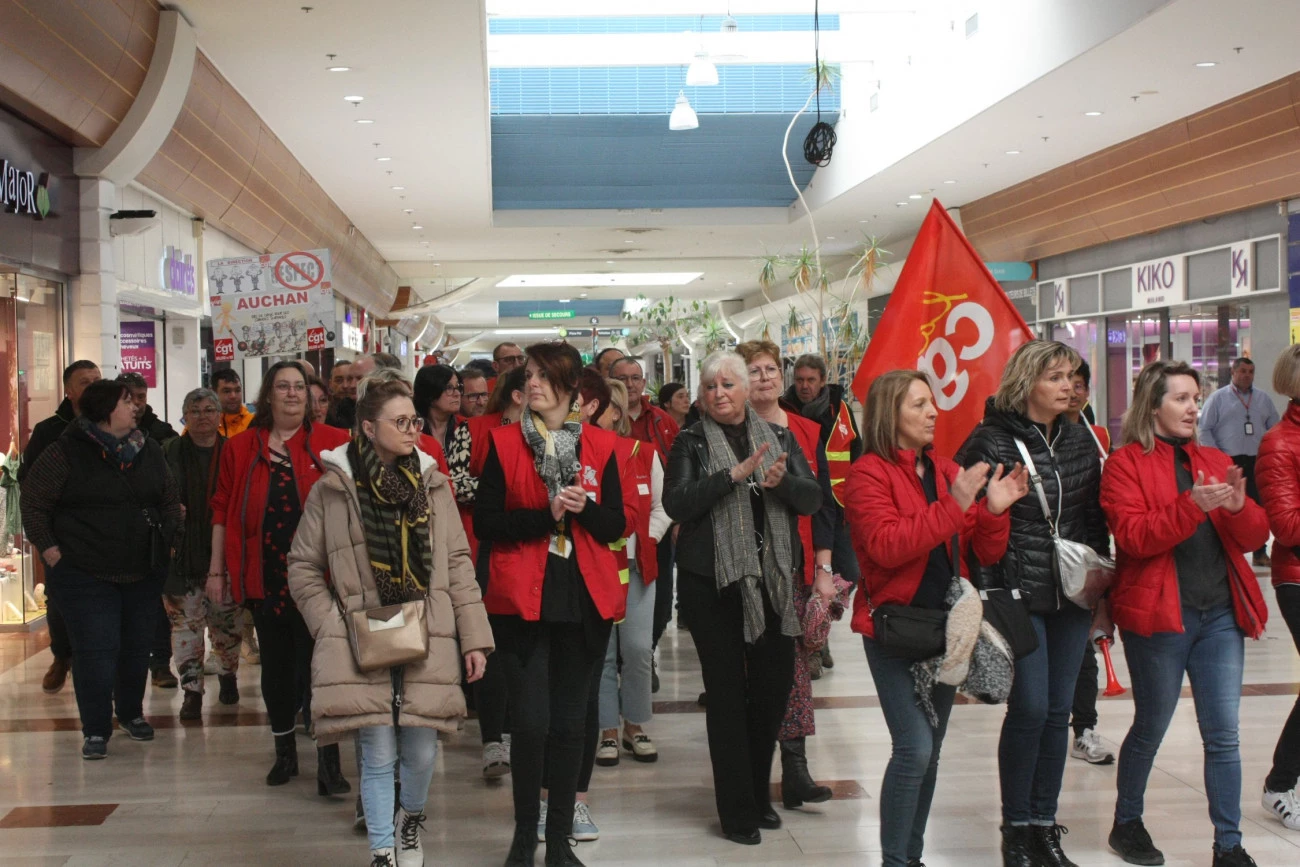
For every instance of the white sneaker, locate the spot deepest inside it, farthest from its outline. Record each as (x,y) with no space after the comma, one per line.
(1087,747)
(1285,806)
(584,830)
(410,852)
(496,760)
(383,857)
(607,753)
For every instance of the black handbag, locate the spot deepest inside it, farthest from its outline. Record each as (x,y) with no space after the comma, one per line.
(1007,612)
(910,632)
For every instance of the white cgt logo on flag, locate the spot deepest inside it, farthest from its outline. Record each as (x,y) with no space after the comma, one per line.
(953,378)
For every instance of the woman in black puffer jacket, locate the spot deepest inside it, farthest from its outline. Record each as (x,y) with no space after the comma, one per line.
(1029,406)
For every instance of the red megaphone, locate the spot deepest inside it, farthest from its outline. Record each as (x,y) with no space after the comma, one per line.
(1113,686)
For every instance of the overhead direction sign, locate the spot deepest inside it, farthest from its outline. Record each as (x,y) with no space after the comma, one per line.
(552,314)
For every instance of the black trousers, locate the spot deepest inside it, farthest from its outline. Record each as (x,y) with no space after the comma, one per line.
(590,729)
(548,708)
(160,652)
(1286,758)
(663,614)
(286,647)
(1084,713)
(1247,464)
(748,685)
(492,699)
(60,642)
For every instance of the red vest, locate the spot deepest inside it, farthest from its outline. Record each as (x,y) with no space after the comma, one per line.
(807,433)
(635,460)
(517,568)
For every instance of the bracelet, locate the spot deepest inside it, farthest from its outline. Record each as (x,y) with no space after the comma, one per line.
(216,574)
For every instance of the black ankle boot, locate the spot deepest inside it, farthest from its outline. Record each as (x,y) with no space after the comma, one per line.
(559,853)
(797,785)
(1017,847)
(523,848)
(329,776)
(286,760)
(1047,845)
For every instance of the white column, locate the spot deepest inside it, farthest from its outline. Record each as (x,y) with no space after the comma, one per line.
(94,297)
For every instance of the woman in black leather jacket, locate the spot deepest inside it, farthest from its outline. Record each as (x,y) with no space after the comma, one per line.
(1029,406)
(736,484)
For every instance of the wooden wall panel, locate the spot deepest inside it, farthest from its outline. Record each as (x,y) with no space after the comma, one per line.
(1239,154)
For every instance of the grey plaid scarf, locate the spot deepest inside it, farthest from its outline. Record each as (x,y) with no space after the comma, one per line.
(735,560)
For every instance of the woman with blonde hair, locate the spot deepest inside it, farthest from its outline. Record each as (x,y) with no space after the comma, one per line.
(1184,598)
(1024,422)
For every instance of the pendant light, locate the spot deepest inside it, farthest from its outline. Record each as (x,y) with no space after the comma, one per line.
(683,116)
(702,72)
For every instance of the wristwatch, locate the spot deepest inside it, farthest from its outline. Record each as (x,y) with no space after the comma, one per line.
(826,567)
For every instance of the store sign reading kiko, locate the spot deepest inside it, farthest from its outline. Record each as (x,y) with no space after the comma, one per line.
(1159,283)
(23,192)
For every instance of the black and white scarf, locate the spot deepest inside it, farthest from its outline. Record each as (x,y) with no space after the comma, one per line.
(735,560)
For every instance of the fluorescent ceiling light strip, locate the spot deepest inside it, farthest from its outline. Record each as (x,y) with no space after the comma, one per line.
(522,332)
(559,281)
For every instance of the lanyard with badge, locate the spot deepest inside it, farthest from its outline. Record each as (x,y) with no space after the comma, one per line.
(1250,426)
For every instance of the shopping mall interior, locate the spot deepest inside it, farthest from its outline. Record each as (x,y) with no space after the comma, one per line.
(199,186)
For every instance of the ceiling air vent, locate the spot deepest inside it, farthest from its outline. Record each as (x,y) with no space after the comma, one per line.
(972,25)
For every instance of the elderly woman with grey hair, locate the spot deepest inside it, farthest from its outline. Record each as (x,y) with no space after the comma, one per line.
(737,485)
(193,459)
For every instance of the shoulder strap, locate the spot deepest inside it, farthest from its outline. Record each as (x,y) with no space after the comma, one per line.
(1096,439)
(1038,482)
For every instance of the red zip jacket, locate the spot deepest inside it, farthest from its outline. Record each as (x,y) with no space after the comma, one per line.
(239,503)
(656,427)
(1149,518)
(894,529)
(634,457)
(1277,472)
(808,434)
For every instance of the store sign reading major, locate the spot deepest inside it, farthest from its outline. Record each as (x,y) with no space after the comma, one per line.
(22,192)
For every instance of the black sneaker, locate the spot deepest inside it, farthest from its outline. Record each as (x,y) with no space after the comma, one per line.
(1132,842)
(93,748)
(138,729)
(1234,857)
(163,678)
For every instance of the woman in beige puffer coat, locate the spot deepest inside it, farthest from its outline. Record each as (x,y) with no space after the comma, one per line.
(342,553)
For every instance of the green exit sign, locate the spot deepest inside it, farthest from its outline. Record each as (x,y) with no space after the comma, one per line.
(551,314)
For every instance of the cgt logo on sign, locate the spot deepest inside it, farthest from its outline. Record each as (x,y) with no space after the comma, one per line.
(22,192)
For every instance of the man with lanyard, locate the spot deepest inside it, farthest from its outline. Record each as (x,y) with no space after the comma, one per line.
(813,398)
(235,416)
(1233,420)
(652,425)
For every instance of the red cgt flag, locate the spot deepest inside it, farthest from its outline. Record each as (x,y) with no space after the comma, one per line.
(949,318)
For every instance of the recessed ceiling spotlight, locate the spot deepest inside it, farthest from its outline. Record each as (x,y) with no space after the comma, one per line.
(1092,114)
(1206,64)
(424,243)
(354,99)
(730,283)
(950,182)
(830,237)
(864,221)
(383,159)
(1012,153)
(582,294)
(417,227)
(609,261)
(339,69)
(916,196)
(364,120)
(899,204)
(399,188)
(564,300)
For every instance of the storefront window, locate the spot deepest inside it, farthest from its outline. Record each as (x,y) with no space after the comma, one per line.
(1132,342)
(31,355)
(1209,337)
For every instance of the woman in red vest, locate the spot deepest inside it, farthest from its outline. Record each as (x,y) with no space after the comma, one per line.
(737,485)
(263,480)
(554,590)
(1185,597)
(763,360)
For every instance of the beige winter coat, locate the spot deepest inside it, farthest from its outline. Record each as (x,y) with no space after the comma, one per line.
(329,550)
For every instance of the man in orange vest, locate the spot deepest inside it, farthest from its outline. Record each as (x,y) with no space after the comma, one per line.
(813,398)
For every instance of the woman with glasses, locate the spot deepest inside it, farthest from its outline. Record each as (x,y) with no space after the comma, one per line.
(437,402)
(320,399)
(263,479)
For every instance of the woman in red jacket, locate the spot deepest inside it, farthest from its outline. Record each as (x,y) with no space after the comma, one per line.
(1277,472)
(554,590)
(262,482)
(904,504)
(1184,597)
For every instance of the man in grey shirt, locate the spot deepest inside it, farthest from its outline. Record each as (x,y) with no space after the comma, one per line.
(1233,420)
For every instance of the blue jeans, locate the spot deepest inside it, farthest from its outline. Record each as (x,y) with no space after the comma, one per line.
(908,787)
(1036,732)
(1211,649)
(379,751)
(630,639)
(111,627)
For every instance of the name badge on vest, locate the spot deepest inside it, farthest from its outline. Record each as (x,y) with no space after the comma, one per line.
(1250,428)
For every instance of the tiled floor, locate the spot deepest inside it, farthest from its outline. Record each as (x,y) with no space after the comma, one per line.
(195,795)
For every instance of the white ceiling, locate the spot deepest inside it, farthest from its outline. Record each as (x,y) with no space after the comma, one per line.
(422,68)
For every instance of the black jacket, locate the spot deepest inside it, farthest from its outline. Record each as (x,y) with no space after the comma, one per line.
(44,434)
(155,428)
(1071,474)
(690,494)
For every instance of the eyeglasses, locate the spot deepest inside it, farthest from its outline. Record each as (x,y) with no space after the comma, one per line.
(630,378)
(406,423)
(476,395)
(515,359)
(291,387)
(764,373)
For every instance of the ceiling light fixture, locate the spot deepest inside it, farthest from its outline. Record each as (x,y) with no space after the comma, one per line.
(683,116)
(899,204)
(582,294)
(559,281)
(340,69)
(950,182)
(564,300)
(915,196)
(399,188)
(364,120)
(417,227)
(408,210)
(383,159)
(1092,114)
(354,99)
(702,72)
(1013,153)
(1206,64)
